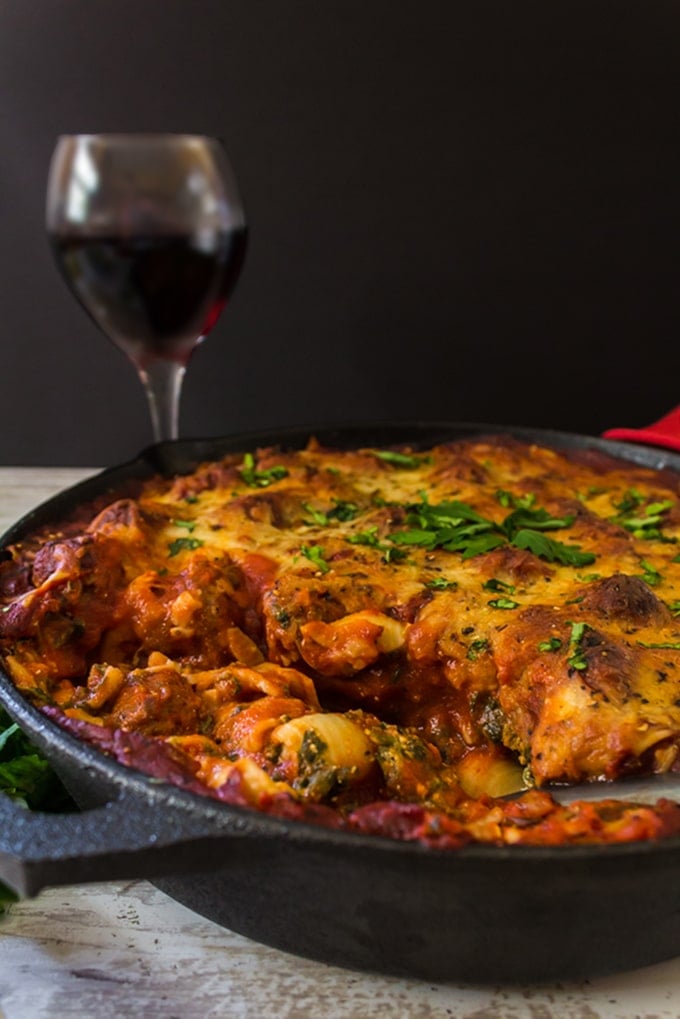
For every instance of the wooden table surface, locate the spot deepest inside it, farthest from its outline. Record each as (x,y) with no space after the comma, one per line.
(126,949)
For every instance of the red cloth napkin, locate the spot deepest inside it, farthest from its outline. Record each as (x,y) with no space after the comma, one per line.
(664,432)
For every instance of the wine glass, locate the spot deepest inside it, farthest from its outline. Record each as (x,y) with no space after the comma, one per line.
(150,234)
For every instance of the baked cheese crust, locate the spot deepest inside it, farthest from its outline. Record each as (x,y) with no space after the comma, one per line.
(385,640)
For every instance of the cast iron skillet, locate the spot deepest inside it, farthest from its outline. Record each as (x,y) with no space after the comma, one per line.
(481,913)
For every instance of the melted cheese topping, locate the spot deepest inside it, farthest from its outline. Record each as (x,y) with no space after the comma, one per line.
(346,628)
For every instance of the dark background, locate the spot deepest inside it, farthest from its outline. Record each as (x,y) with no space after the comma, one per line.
(458,210)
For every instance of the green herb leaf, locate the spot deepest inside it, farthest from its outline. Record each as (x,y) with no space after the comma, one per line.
(651,575)
(343,510)
(441,584)
(316,556)
(509,500)
(551,550)
(473,546)
(182,545)
(503,603)
(552,644)
(370,538)
(367,537)
(318,516)
(642,521)
(577,659)
(476,648)
(498,585)
(415,536)
(190,525)
(25,774)
(260,478)
(405,461)
(536,519)
(672,645)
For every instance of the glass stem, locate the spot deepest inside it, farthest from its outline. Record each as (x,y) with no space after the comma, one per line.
(162,381)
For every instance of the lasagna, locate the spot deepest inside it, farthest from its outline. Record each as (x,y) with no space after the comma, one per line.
(409,643)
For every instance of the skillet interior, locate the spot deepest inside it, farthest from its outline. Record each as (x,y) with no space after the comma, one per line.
(480,914)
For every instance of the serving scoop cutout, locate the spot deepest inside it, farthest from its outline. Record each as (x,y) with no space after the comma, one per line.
(645,789)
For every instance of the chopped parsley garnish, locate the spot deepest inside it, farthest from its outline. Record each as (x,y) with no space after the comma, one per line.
(441,584)
(316,556)
(672,645)
(552,644)
(457,527)
(577,659)
(367,537)
(551,550)
(190,525)
(370,538)
(503,603)
(476,648)
(27,777)
(498,585)
(260,478)
(403,460)
(674,606)
(183,545)
(318,516)
(651,575)
(508,500)
(342,511)
(642,521)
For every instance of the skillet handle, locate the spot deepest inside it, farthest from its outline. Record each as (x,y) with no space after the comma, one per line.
(133,836)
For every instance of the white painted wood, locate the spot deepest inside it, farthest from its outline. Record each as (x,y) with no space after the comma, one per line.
(125,949)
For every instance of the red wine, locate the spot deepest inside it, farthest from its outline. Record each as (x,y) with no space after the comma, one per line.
(154,296)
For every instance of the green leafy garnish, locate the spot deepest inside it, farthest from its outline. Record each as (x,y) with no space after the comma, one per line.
(367,537)
(672,645)
(405,461)
(318,516)
(476,648)
(651,575)
(182,545)
(370,538)
(552,644)
(551,550)
(503,603)
(343,510)
(536,519)
(577,659)
(27,777)
(456,526)
(441,584)
(316,556)
(260,478)
(190,525)
(642,521)
(498,585)
(509,500)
